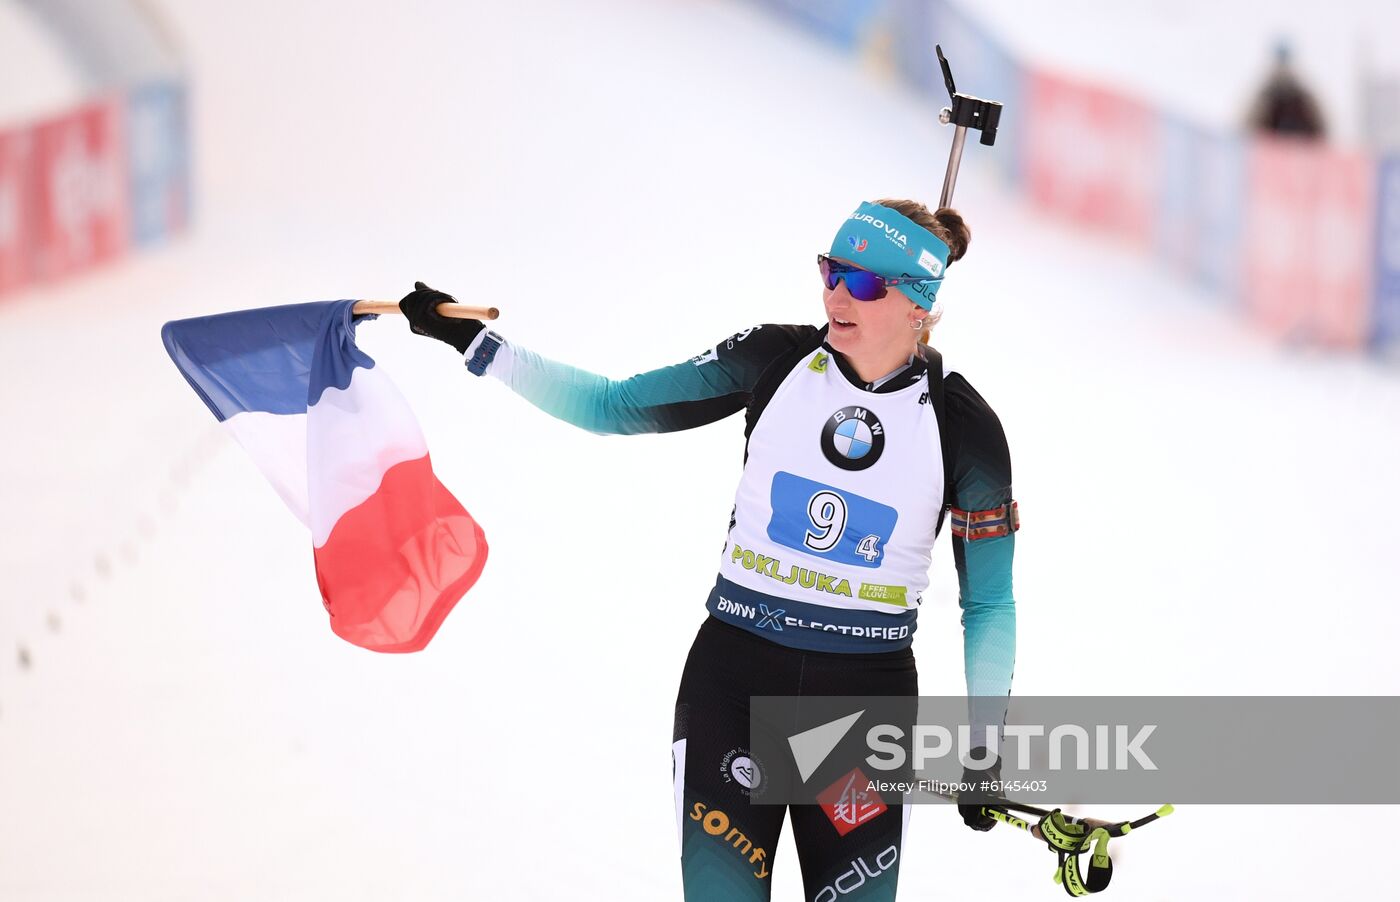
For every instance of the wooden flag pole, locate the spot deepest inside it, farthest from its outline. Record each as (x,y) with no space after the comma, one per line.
(453,311)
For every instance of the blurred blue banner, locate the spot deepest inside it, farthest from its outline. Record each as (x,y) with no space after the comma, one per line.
(841,21)
(1220,192)
(1387,280)
(1175,234)
(159,155)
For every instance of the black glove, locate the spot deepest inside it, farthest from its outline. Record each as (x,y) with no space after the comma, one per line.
(420,306)
(970,803)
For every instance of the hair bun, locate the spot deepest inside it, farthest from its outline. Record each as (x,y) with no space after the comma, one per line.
(959,235)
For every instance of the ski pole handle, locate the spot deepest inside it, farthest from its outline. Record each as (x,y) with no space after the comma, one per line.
(1007,817)
(452,311)
(1004,814)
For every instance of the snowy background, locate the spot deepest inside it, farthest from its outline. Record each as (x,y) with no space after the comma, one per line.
(629,182)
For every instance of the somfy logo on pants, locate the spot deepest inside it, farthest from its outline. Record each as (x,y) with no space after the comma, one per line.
(853,438)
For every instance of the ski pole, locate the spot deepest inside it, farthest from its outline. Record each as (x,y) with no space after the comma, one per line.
(1114,828)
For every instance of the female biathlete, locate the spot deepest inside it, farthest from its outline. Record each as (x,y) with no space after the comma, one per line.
(858,442)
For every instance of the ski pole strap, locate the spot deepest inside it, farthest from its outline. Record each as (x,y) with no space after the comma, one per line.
(1070,840)
(1061,833)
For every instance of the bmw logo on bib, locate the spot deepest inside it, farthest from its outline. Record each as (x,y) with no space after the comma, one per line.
(853,438)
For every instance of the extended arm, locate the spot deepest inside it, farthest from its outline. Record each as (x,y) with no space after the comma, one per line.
(708,387)
(984,543)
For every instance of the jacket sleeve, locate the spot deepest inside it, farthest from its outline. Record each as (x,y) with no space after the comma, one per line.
(982,482)
(707,387)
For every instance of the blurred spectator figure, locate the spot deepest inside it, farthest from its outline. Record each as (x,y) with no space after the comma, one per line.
(1284,106)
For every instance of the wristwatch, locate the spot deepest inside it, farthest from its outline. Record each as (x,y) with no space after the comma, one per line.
(485,353)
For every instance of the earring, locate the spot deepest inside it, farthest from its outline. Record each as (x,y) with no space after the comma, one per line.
(916,324)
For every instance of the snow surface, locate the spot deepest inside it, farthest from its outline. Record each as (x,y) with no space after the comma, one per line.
(629,182)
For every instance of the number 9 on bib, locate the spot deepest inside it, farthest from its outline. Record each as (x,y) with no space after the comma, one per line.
(828,522)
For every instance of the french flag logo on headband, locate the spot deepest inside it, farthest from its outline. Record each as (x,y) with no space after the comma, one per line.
(393,549)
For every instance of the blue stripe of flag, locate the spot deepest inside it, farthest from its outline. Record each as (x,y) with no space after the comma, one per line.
(262,360)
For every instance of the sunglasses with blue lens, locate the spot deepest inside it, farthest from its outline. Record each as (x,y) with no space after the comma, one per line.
(862,284)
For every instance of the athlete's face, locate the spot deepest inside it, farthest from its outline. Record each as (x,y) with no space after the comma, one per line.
(871,329)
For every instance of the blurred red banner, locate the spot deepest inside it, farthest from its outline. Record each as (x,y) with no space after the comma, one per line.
(1091,155)
(1308,242)
(80,213)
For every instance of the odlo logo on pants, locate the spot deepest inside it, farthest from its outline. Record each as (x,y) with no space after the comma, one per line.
(855,876)
(716,823)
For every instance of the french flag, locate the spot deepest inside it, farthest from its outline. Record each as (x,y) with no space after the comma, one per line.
(394,550)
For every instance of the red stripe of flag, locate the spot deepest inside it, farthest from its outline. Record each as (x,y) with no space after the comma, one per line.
(394,566)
